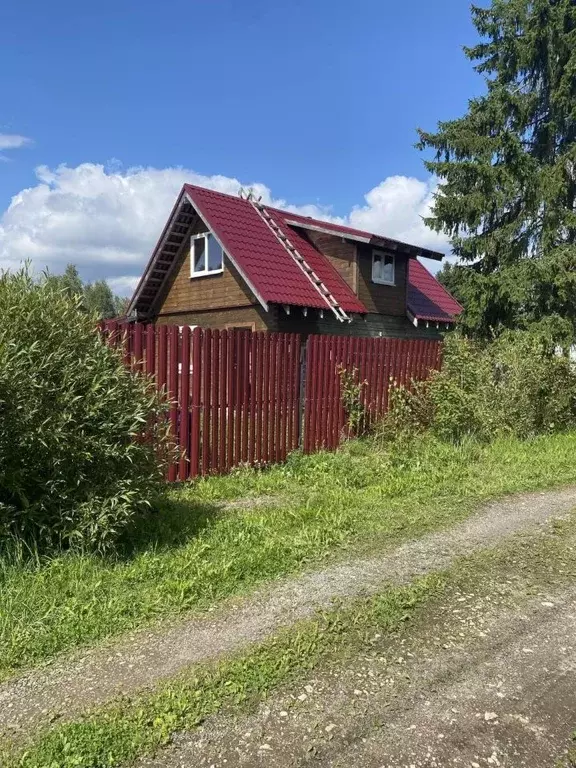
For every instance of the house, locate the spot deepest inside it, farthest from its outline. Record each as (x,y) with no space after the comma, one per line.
(231,262)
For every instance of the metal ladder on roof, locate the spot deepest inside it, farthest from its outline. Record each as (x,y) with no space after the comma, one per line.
(301,261)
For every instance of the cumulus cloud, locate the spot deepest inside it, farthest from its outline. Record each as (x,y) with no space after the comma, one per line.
(106,220)
(396,208)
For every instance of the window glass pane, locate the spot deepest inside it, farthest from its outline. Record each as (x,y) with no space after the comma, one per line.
(214,253)
(382,267)
(199,250)
(388,269)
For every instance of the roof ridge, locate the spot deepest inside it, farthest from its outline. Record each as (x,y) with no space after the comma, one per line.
(341,229)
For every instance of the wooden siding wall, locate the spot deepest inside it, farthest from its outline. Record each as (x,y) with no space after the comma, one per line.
(223,317)
(340,253)
(384,299)
(371,325)
(226,289)
(276,319)
(183,292)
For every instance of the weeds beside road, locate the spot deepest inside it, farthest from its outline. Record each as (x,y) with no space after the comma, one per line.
(197,552)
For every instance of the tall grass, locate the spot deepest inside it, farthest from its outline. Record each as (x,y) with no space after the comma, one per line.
(193,551)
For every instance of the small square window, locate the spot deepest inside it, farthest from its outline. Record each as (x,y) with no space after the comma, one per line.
(206,255)
(383,268)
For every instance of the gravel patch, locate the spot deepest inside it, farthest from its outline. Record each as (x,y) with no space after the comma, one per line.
(493,685)
(71,686)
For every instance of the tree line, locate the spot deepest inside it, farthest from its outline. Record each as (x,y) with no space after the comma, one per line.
(96,298)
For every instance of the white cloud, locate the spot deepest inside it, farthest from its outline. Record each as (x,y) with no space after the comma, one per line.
(396,208)
(124,285)
(13,141)
(106,220)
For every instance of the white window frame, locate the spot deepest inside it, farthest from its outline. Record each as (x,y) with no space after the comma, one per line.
(383,254)
(206,270)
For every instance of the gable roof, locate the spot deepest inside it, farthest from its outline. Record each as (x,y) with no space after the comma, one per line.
(427,299)
(252,246)
(261,258)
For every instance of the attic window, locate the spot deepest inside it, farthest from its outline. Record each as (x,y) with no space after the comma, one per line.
(383,268)
(206,255)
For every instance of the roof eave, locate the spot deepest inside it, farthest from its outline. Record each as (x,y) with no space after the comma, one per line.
(368,239)
(327,230)
(413,251)
(158,247)
(432,318)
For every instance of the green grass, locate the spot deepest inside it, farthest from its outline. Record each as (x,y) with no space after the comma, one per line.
(569,761)
(119,733)
(192,554)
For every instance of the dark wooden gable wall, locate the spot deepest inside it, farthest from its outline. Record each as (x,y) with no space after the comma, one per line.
(354,263)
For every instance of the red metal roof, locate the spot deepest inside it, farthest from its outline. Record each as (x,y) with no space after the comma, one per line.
(276,277)
(427,298)
(265,262)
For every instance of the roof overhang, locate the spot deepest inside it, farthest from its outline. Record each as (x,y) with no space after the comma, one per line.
(375,240)
(146,275)
(327,230)
(426,320)
(188,208)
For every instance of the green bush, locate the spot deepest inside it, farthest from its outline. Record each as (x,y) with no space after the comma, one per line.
(81,449)
(515,385)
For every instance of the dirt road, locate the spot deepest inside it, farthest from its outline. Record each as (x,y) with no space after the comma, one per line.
(488,686)
(70,687)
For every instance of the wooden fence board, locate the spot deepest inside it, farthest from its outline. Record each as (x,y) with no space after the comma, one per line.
(214,400)
(206,404)
(184,441)
(196,406)
(172,387)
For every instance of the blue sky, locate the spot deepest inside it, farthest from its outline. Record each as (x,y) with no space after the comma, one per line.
(317,100)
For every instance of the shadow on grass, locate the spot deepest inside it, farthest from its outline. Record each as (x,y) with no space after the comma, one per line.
(171,523)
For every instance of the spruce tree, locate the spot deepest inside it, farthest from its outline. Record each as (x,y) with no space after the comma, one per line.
(507,169)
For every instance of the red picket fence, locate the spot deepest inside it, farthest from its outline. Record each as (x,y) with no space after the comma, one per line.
(376,363)
(234,394)
(238,397)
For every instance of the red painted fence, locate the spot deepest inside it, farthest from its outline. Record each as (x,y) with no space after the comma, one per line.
(376,364)
(238,397)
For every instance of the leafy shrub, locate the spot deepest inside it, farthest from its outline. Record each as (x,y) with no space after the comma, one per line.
(351,395)
(79,437)
(515,385)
